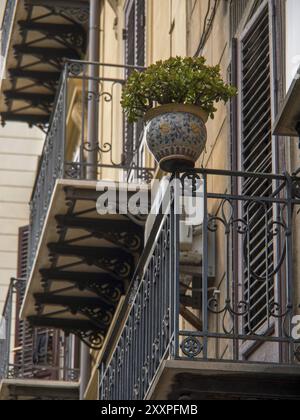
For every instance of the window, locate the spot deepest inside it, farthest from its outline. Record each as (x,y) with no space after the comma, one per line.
(34,346)
(256,155)
(135,32)
(134,56)
(237,12)
(237,9)
(292,40)
(23,331)
(43,347)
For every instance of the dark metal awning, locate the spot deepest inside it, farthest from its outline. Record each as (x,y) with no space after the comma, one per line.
(83,265)
(38,36)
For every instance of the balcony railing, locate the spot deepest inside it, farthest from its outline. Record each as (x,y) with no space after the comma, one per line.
(228,314)
(7,25)
(6,327)
(121,150)
(42,369)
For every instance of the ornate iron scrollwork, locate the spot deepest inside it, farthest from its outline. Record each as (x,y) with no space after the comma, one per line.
(74,69)
(120,267)
(191,347)
(128,240)
(297,353)
(93,339)
(73,170)
(112,292)
(296,187)
(134,291)
(98,316)
(78,15)
(191,183)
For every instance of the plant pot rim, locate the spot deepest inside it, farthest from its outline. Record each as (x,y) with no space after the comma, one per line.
(171,108)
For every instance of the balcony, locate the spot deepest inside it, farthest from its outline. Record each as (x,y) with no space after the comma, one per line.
(37,36)
(31,370)
(192,329)
(81,263)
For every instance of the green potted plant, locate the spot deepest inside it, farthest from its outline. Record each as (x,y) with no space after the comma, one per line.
(175,97)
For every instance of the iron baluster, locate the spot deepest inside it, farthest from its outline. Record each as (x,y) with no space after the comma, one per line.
(205,270)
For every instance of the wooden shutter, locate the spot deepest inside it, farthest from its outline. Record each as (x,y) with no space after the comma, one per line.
(140,33)
(23,252)
(33,346)
(237,10)
(135,32)
(23,332)
(256,156)
(129,60)
(130,34)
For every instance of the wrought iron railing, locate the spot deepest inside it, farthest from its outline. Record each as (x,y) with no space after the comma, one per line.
(119,149)
(207,314)
(146,338)
(42,372)
(9,369)
(6,327)
(6,28)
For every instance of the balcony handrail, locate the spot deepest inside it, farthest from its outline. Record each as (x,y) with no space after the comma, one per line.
(11,286)
(131,361)
(9,367)
(19,371)
(48,132)
(113,65)
(7,314)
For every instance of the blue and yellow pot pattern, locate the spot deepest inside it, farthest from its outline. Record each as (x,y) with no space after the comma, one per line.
(176,135)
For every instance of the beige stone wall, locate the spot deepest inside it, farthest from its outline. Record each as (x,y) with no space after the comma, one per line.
(19,151)
(166,29)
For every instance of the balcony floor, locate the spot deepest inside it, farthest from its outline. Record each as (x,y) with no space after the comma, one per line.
(25,389)
(196,380)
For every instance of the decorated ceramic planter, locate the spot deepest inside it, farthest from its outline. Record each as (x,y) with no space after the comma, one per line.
(176,135)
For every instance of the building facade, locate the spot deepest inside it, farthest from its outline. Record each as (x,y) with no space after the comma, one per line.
(131,306)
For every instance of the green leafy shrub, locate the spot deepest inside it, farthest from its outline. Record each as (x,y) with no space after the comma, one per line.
(175,81)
